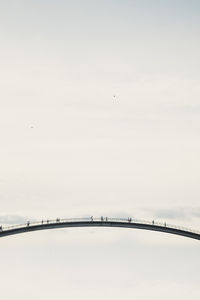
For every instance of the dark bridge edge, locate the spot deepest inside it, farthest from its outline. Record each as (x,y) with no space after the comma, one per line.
(142,226)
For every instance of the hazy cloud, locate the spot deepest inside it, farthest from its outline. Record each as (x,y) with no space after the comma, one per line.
(177,213)
(13,219)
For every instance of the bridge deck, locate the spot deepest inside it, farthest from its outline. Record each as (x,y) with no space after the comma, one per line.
(101,222)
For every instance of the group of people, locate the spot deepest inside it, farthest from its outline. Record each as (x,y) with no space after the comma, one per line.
(106,219)
(92,219)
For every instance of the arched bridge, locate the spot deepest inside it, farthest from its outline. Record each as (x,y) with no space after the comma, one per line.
(101,222)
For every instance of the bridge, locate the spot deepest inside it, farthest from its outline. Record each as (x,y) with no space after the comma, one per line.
(100,222)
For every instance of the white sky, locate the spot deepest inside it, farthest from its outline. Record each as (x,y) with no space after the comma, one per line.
(70,148)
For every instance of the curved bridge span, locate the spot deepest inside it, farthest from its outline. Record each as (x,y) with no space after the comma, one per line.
(99,222)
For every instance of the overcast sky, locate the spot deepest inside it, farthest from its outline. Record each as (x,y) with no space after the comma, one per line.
(100,115)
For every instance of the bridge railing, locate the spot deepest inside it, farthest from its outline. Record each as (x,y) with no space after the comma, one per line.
(130,220)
